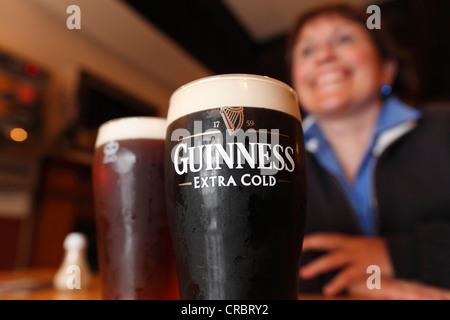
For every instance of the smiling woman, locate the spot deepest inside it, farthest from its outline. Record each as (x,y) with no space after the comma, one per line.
(369,159)
(338,71)
(333,56)
(337,68)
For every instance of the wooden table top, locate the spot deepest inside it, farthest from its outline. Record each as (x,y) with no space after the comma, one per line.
(37,284)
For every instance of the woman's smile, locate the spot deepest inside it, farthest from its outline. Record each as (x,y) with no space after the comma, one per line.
(330,79)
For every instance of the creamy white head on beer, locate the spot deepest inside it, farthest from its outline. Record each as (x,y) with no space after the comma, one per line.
(233,90)
(131,128)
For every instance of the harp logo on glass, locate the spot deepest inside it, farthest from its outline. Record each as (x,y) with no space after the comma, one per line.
(233,118)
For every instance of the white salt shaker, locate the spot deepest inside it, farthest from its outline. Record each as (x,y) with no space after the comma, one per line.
(74,272)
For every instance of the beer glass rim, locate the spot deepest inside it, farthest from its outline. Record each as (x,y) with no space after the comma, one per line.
(233,76)
(116,129)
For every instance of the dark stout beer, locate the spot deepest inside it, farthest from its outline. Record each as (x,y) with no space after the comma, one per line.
(235,185)
(134,247)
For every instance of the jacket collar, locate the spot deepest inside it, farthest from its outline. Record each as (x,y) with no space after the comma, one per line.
(395,120)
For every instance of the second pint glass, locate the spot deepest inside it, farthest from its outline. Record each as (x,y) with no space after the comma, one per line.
(134,249)
(235,185)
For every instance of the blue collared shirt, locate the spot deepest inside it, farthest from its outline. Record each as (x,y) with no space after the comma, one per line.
(359,193)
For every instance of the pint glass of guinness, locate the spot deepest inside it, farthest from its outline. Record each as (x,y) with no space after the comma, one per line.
(235,185)
(134,248)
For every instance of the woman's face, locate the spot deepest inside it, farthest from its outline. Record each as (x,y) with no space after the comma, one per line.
(336,67)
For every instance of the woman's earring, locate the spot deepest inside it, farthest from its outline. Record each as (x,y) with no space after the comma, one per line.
(386,90)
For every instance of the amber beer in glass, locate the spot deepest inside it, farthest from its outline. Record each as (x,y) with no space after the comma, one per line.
(235,187)
(134,248)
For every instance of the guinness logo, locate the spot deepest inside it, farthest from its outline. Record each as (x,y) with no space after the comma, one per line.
(233,117)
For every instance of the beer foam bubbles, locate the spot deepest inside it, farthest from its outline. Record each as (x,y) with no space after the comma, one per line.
(233,90)
(131,128)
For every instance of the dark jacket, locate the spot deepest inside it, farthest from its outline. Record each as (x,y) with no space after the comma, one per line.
(412,193)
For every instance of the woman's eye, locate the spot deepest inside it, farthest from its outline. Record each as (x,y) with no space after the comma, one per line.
(306,51)
(345,39)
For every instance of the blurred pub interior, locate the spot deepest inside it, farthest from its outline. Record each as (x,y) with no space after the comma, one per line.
(58,85)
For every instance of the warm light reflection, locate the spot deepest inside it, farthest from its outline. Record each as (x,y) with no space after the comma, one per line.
(18,134)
